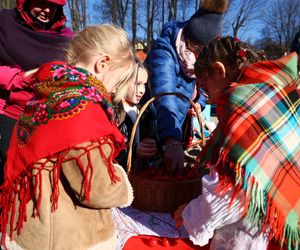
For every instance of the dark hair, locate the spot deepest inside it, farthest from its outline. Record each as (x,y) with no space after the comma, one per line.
(230,51)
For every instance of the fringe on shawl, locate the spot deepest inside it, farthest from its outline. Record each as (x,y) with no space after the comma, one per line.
(260,209)
(28,186)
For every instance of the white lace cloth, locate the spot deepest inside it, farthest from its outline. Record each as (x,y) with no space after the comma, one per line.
(130,222)
(209,216)
(239,236)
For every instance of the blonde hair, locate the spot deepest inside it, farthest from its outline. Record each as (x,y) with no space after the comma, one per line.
(106,39)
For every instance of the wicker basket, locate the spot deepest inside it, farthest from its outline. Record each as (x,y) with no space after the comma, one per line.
(162,196)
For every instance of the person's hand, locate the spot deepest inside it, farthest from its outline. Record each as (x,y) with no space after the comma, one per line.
(178,215)
(29,72)
(192,112)
(146,148)
(173,156)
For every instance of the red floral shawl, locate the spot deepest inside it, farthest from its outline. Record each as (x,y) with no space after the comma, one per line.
(71,107)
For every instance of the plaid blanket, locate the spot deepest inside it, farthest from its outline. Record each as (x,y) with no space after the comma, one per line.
(256,147)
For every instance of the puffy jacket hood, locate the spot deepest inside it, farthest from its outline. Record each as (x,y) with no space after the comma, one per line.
(170,31)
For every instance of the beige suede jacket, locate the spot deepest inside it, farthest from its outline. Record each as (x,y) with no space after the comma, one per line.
(75,224)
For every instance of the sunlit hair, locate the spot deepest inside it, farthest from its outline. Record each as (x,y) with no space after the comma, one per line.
(110,40)
(232,52)
(140,66)
(117,104)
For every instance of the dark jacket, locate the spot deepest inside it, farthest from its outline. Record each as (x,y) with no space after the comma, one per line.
(147,129)
(166,75)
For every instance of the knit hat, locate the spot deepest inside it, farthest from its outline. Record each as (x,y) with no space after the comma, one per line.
(206,24)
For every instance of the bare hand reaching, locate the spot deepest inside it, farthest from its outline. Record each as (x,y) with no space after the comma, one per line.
(174,156)
(146,148)
(30,72)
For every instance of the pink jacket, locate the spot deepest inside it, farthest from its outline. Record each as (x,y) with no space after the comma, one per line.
(12,79)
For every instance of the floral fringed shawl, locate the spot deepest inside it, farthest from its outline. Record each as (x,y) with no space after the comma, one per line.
(256,146)
(71,107)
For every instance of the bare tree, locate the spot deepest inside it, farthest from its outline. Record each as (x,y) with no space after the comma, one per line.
(106,10)
(114,11)
(162,13)
(270,47)
(282,22)
(150,19)
(7,4)
(196,5)
(122,8)
(153,20)
(183,6)
(133,22)
(78,14)
(172,6)
(240,15)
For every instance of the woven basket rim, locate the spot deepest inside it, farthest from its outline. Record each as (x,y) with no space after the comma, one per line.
(145,180)
(129,157)
(162,195)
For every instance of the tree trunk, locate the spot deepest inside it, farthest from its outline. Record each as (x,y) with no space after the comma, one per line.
(133,23)
(78,14)
(148,4)
(7,4)
(172,4)
(114,12)
(175,2)
(163,13)
(150,21)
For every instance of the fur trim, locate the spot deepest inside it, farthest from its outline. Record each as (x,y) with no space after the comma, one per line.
(21,189)
(217,6)
(129,187)
(10,244)
(109,244)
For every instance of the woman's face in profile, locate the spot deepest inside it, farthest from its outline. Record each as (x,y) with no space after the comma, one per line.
(214,81)
(43,10)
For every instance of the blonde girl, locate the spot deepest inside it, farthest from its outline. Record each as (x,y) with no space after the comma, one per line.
(60,176)
(144,146)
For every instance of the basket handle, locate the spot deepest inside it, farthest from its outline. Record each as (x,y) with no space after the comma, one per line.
(203,141)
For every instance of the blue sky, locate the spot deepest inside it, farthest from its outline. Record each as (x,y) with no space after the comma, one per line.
(250,34)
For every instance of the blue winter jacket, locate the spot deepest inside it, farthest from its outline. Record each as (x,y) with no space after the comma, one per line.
(166,75)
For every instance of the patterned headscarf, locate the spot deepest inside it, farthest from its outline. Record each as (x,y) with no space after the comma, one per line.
(71,107)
